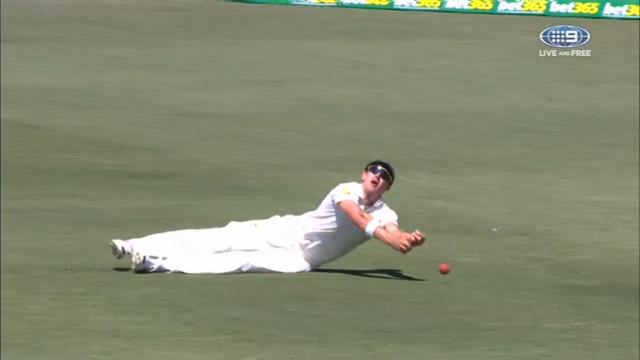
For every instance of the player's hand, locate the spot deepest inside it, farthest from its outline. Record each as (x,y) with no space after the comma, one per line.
(406,243)
(402,242)
(416,238)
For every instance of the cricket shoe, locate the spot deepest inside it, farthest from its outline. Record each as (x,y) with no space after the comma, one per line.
(148,263)
(120,248)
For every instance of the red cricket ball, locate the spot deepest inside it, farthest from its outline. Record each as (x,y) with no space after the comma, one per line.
(444,269)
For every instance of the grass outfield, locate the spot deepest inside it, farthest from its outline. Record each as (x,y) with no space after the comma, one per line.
(124,118)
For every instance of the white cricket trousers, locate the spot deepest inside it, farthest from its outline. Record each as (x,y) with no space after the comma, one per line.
(268,245)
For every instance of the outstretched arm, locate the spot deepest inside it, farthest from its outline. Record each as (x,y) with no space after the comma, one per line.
(390,233)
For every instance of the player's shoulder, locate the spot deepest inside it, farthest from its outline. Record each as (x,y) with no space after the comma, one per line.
(386,208)
(348,187)
(348,190)
(386,212)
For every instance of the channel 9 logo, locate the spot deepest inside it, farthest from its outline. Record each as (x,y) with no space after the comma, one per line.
(565,36)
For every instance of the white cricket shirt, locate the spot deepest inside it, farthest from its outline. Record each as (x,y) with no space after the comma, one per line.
(329,233)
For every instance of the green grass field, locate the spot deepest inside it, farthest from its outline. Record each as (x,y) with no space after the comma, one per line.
(123,118)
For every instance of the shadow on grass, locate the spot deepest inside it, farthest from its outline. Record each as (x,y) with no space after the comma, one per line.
(388,274)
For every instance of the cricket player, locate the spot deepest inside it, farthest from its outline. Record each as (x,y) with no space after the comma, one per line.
(349,215)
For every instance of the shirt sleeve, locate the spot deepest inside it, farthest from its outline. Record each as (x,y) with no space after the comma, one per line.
(348,191)
(386,215)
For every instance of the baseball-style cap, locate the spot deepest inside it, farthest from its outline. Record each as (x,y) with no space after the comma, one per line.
(382,168)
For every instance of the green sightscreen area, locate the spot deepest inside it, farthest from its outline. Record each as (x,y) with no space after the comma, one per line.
(125,118)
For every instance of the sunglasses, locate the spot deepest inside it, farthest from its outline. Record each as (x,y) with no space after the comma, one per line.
(382,172)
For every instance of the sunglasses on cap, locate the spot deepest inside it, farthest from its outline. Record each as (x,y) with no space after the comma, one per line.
(379,170)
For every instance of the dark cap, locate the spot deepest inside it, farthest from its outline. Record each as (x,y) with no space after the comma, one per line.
(385,166)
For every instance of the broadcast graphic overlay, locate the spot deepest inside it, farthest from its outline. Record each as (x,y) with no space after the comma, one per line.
(565,41)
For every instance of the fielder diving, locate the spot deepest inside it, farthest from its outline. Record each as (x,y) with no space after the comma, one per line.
(349,215)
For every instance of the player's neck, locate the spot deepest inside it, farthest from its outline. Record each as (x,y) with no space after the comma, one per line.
(370,199)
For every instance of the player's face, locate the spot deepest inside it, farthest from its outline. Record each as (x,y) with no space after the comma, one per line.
(375,182)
